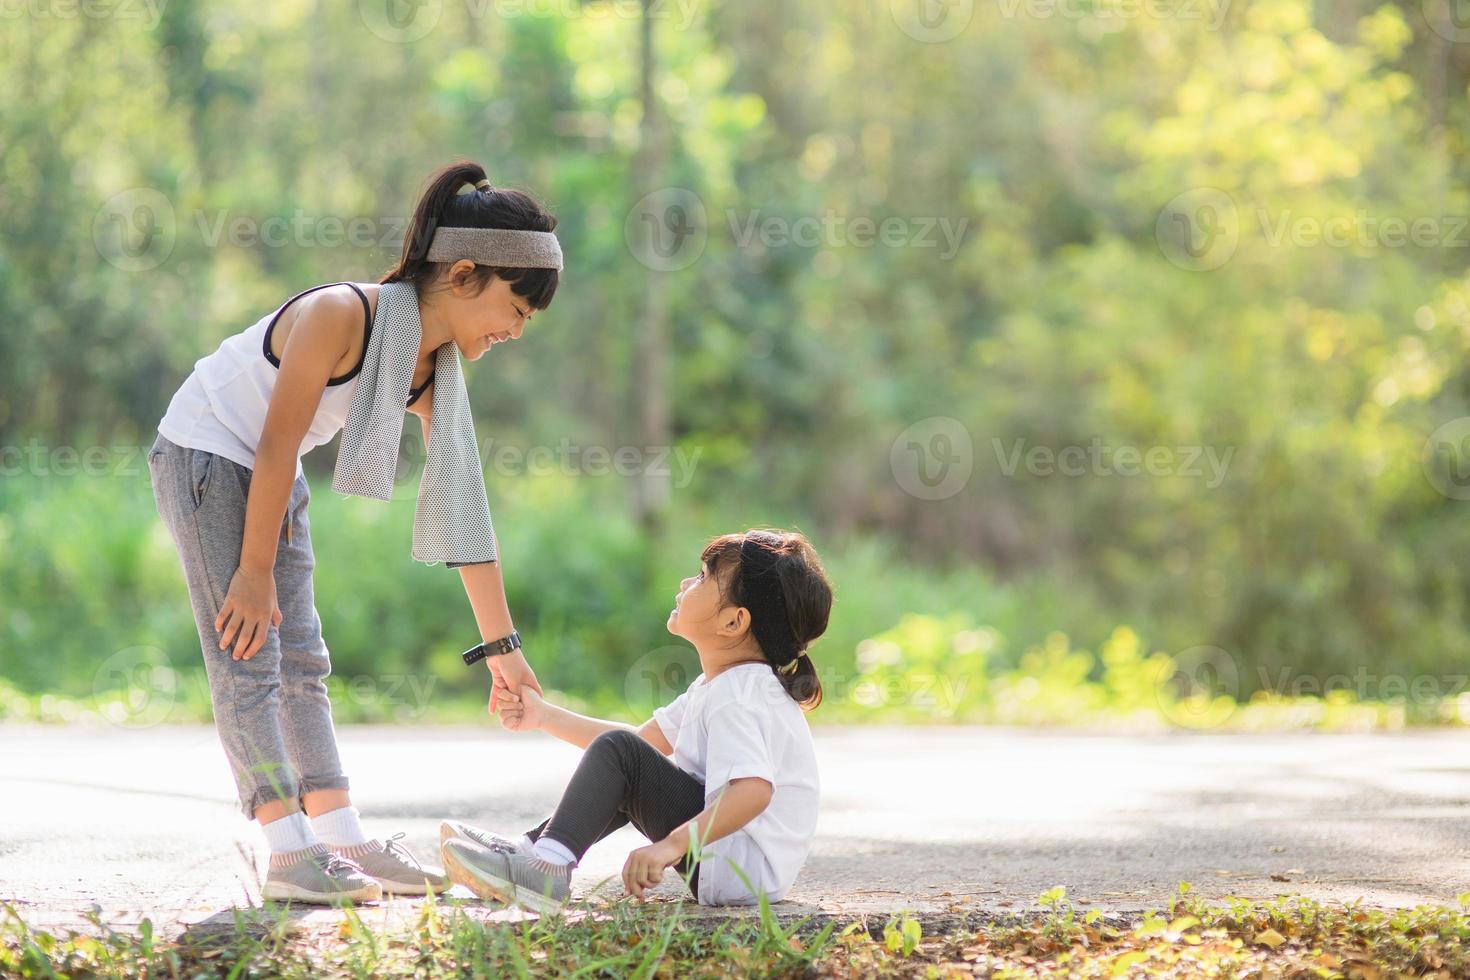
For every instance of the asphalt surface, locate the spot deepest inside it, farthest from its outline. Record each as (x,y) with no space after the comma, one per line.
(135,823)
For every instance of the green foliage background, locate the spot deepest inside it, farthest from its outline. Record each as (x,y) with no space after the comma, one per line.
(1068,143)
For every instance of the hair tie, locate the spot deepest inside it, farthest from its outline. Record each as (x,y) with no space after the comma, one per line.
(790,668)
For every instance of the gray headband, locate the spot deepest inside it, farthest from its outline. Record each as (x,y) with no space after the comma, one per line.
(497,247)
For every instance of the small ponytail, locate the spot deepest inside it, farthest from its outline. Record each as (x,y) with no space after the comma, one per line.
(485,206)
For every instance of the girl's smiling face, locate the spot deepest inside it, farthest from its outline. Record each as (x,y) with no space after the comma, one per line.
(478,322)
(697,601)
(719,631)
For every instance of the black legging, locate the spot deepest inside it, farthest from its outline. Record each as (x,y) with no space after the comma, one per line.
(622,779)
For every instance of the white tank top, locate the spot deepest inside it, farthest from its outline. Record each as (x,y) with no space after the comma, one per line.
(221,406)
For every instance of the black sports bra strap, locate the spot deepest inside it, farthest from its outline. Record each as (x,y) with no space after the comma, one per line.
(367,334)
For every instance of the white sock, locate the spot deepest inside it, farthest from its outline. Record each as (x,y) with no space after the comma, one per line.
(289,833)
(339,827)
(554,851)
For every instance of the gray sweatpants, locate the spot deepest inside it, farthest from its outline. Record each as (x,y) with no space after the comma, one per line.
(271,711)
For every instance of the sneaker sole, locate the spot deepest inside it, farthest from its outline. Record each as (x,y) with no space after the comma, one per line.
(286,892)
(409,888)
(448,833)
(496,888)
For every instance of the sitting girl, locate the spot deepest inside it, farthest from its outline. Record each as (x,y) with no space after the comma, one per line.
(723,780)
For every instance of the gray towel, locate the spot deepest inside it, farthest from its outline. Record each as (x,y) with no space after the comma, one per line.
(452,520)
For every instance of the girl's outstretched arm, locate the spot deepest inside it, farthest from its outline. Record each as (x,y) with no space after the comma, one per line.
(486,590)
(320,337)
(485,587)
(528,711)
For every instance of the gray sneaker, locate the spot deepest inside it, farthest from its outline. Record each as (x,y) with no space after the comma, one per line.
(396,870)
(318,876)
(450,829)
(517,877)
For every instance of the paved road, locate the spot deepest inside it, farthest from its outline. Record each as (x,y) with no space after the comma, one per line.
(142,822)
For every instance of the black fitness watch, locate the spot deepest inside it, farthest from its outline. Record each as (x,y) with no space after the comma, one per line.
(494,648)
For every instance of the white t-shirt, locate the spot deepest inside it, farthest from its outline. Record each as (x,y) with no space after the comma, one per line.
(743,723)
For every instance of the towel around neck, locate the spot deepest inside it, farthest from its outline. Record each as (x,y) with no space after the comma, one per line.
(451,522)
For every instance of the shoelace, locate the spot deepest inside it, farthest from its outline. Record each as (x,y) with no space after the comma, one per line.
(334,864)
(396,849)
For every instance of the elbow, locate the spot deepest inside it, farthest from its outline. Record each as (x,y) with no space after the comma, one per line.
(273,447)
(757,792)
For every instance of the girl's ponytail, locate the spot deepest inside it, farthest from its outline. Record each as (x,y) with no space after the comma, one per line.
(460,195)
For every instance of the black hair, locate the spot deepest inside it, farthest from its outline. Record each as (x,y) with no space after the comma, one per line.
(805,597)
(442,205)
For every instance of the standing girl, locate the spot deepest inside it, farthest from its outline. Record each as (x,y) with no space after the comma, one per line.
(229,486)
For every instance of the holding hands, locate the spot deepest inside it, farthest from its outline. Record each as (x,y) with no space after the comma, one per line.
(512,675)
(522,712)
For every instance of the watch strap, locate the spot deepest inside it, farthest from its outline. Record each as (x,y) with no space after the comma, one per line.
(493,648)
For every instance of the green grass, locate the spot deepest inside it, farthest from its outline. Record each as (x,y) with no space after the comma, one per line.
(1285,937)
